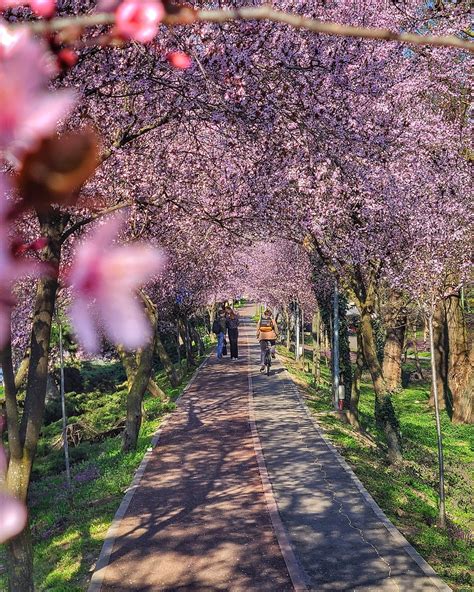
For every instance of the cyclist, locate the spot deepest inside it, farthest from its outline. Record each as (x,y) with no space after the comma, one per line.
(267,331)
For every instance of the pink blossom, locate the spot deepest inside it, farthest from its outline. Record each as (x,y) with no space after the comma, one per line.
(43,8)
(103,280)
(28,112)
(12,517)
(138,19)
(11,268)
(179,59)
(12,512)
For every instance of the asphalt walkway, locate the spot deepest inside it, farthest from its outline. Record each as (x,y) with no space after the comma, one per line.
(209,512)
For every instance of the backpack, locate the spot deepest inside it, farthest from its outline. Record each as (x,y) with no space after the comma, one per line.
(266,325)
(216,327)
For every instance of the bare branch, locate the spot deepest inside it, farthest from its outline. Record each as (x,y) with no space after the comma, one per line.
(72,229)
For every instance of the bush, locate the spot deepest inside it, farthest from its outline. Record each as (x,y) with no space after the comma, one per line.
(102,377)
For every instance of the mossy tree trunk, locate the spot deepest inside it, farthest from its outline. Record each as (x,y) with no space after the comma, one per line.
(288,328)
(353,414)
(183,325)
(139,367)
(395,324)
(197,339)
(316,333)
(441,358)
(23,435)
(168,365)
(384,411)
(344,349)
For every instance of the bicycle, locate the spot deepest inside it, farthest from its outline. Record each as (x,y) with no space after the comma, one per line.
(267,360)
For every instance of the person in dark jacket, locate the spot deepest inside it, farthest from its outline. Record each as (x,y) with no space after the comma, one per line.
(219,328)
(233,332)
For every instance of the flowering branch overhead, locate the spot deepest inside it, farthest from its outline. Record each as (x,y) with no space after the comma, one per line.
(188,16)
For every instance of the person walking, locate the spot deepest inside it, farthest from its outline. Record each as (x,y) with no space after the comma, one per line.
(267,330)
(219,328)
(233,332)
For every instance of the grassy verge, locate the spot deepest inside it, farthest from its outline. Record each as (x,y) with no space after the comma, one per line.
(68,535)
(409,495)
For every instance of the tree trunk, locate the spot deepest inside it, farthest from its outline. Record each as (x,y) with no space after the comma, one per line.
(22,371)
(20,558)
(212,310)
(384,411)
(156,391)
(395,322)
(344,350)
(166,361)
(441,358)
(461,362)
(20,562)
(315,330)
(326,346)
(135,398)
(355,389)
(198,340)
(184,332)
(138,380)
(288,329)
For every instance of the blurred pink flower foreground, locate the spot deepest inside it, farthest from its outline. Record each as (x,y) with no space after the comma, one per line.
(28,111)
(139,19)
(11,268)
(103,280)
(40,7)
(12,511)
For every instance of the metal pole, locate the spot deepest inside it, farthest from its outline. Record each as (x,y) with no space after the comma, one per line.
(63,408)
(178,347)
(335,348)
(442,509)
(297,327)
(302,335)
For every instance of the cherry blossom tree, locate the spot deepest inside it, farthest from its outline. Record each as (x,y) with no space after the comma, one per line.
(260,133)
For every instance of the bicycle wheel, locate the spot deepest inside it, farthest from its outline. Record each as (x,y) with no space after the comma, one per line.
(268,361)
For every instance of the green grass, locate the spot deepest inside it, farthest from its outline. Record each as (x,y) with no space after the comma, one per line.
(68,534)
(409,495)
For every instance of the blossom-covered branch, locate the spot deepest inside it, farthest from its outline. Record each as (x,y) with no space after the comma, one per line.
(187,16)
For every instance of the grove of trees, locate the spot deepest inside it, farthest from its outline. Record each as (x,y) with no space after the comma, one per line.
(149,170)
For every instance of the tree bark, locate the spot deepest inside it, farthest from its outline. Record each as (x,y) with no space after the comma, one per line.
(315,330)
(419,369)
(156,391)
(138,381)
(326,346)
(198,340)
(441,359)
(19,560)
(166,361)
(212,310)
(353,415)
(23,441)
(184,332)
(396,322)
(22,371)
(135,398)
(384,411)
(288,329)
(461,362)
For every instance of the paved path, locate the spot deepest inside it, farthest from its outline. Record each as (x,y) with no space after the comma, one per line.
(201,520)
